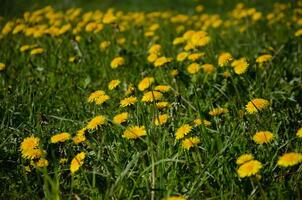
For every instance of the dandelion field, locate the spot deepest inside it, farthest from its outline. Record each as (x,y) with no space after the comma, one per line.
(151,100)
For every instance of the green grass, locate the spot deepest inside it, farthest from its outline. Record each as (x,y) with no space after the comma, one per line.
(45,94)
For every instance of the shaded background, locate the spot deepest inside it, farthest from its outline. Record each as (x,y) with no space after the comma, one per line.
(11,8)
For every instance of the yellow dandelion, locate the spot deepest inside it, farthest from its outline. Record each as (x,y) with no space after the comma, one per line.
(161,119)
(120,118)
(27,169)
(195,56)
(218,111)
(77,162)
(63,160)
(289,159)
(224,59)
(2,66)
(244,158)
(145,83)
(109,17)
(182,131)
(264,58)
(104,45)
(71,59)
(113,84)
(190,142)
(176,198)
(128,101)
(199,39)
(162,88)
(152,96)
(99,97)
(226,74)
(117,62)
(152,58)
(96,122)
(37,51)
(25,48)
(154,49)
(299,133)
(199,122)
(134,132)
(121,40)
(240,66)
(162,105)
(298,33)
(32,153)
(162,61)
(61,137)
(29,143)
(199,8)
(174,72)
(41,163)
(178,40)
(208,68)
(263,137)
(249,168)
(79,138)
(193,68)
(81,131)
(182,56)
(256,105)
(130,89)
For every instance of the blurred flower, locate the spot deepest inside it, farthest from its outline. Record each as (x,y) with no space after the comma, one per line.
(30,148)
(208,68)
(61,137)
(36,51)
(162,88)
(182,56)
(289,159)
(134,132)
(152,58)
(128,101)
(77,162)
(161,119)
(151,96)
(224,59)
(193,68)
(176,198)
(162,104)
(264,58)
(249,168)
(195,56)
(161,61)
(42,163)
(190,142)
(120,118)
(155,49)
(218,111)
(240,66)
(117,62)
(113,84)
(299,133)
(99,97)
(182,131)
(256,105)
(262,137)
(145,83)
(204,122)
(96,122)
(244,158)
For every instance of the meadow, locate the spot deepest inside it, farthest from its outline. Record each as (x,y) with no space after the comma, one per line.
(173,100)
